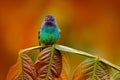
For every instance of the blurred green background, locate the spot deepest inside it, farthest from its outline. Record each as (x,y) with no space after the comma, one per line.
(90,25)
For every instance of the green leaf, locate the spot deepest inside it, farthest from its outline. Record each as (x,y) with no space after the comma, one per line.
(92,69)
(48,64)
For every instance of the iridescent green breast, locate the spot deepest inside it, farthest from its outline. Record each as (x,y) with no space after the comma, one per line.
(49,35)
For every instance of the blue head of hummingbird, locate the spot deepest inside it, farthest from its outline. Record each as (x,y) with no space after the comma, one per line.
(49,32)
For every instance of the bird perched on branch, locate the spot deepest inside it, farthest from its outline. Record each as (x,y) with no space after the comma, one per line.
(49,32)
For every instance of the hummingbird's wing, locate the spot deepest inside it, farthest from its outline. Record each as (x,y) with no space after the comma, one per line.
(38,34)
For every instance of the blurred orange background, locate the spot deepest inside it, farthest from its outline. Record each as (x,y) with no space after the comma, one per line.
(90,25)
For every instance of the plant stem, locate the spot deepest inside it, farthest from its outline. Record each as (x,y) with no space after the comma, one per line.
(71,50)
(29,49)
(110,64)
(95,67)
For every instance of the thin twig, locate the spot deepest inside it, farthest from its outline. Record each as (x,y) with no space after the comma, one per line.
(110,64)
(29,49)
(71,50)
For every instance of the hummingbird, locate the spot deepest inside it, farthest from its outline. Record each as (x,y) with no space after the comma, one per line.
(49,32)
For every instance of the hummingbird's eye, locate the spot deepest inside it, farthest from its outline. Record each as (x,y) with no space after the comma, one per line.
(52,19)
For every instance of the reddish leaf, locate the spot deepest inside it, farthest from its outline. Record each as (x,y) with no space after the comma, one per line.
(65,69)
(63,76)
(90,69)
(48,64)
(22,70)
